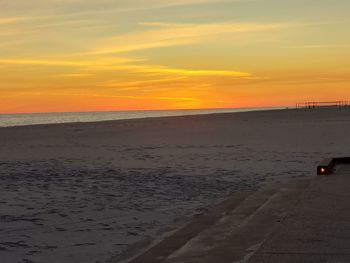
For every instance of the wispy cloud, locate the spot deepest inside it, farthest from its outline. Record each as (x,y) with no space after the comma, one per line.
(164,98)
(167,34)
(11,20)
(322,46)
(109,96)
(67,63)
(140,82)
(156,98)
(168,71)
(123,64)
(75,75)
(88,8)
(187,72)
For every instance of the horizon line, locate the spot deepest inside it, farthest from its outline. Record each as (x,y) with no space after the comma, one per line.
(139,110)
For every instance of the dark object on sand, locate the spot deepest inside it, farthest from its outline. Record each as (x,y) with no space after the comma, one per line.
(326,166)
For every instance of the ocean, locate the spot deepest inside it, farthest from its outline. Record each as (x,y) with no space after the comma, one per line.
(9,120)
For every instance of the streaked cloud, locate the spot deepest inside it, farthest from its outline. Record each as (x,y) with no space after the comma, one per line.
(164,98)
(321,46)
(11,20)
(169,34)
(140,82)
(123,64)
(67,63)
(187,72)
(92,8)
(75,75)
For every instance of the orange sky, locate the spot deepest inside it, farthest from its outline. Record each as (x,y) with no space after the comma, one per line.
(74,55)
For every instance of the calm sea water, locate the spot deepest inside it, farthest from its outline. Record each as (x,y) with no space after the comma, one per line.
(8,120)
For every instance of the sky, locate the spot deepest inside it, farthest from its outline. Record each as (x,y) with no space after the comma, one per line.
(103,55)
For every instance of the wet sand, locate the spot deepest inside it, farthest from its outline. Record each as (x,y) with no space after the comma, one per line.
(89,191)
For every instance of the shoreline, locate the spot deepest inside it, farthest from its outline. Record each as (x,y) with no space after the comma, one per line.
(239,110)
(116,111)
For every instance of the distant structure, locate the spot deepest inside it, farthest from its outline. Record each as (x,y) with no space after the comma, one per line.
(313,104)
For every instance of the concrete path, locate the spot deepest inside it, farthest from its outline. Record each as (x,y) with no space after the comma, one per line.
(302,221)
(318,229)
(242,230)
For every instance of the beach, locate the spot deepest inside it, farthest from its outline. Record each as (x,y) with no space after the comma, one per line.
(94,192)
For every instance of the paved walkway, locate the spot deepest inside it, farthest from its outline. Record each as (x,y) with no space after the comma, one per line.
(302,221)
(318,229)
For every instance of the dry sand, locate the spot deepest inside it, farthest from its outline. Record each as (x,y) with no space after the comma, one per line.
(86,192)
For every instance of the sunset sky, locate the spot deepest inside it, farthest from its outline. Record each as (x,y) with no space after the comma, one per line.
(93,55)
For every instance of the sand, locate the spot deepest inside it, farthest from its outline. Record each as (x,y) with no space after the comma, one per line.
(87,192)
